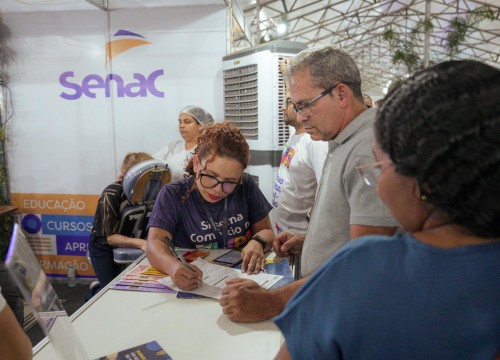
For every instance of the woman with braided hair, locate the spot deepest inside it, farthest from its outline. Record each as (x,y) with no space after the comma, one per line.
(217,206)
(432,292)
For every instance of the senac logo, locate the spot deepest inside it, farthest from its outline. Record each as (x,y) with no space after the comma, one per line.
(93,85)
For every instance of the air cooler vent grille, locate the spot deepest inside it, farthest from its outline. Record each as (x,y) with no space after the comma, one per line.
(283,129)
(241,99)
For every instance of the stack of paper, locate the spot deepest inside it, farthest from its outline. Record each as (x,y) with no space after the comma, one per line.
(215,276)
(142,278)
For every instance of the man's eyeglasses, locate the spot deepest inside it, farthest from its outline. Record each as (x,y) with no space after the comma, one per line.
(305,108)
(210,182)
(369,171)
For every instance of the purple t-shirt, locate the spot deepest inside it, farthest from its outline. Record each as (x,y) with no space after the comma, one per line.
(189,224)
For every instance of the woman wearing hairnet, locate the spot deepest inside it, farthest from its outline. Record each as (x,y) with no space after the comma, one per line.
(176,154)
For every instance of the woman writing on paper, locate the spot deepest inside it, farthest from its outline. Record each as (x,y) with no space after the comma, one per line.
(217,206)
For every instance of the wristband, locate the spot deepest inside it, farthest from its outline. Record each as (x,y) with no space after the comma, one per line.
(260,241)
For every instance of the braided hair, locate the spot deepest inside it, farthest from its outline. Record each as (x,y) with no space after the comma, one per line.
(442,127)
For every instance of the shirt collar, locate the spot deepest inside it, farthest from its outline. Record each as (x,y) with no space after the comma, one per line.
(364,119)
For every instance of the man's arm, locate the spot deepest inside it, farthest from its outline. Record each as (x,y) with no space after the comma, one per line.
(245,301)
(362,230)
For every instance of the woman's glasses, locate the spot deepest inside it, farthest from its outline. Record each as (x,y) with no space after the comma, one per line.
(210,182)
(369,169)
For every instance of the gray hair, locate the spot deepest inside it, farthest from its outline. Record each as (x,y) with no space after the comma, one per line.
(328,66)
(201,116)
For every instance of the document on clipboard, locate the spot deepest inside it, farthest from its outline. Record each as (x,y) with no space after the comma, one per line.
(215,276)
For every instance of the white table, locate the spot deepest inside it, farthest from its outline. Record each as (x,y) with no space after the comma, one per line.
(115,320)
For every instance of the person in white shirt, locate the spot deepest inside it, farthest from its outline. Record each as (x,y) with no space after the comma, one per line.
(15,343)
(300,169)
(176,154)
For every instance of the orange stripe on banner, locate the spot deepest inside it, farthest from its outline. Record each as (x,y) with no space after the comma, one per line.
(59,204)
(58,264)
(41,246)
(41,240)
(116,47)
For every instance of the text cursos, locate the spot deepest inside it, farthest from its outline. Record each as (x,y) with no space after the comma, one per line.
(140,86)
(69,226)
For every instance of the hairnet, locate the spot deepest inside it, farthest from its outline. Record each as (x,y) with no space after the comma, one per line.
(200,115)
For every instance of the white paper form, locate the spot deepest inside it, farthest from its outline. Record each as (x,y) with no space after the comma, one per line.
(215,276)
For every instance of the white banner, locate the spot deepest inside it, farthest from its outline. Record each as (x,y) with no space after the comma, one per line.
(78,109)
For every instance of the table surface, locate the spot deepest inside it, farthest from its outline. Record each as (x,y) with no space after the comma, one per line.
(115,320)
(5,209)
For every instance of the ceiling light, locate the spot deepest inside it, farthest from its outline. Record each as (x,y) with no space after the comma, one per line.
(281,28)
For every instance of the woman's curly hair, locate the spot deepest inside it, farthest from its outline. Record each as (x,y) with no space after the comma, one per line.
(442,127)
(224,140)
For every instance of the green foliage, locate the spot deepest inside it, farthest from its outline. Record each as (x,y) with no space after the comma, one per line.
(389,35)
(459,27)
(6,227)
(405,50)
(7,54)
(7,57)
(481,13)
(426,25)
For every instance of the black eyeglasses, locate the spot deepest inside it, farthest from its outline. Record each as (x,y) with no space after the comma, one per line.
(305,108)
(210,182)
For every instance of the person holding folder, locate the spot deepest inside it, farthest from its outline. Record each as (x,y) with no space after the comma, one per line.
(217,206)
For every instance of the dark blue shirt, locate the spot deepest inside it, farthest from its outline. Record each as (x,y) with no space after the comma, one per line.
(189,224)
(398,298)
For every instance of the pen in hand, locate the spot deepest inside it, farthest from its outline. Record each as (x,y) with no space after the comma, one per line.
(178,254)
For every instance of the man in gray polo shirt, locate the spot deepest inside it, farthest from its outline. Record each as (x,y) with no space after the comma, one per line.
(326,94)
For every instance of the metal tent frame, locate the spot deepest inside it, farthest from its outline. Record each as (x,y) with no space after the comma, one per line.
(358,27)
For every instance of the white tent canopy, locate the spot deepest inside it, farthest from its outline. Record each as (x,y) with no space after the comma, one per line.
(357,26)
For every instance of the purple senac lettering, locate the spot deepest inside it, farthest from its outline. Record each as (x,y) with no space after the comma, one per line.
(70,85)
(91,81)
(151,83)
(140,87)
(119,85)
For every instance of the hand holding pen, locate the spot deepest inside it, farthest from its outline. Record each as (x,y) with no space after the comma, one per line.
(184,275)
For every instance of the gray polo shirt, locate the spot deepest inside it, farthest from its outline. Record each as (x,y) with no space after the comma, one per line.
(342,197)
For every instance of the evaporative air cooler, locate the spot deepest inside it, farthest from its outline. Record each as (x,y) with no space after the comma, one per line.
(254,91)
